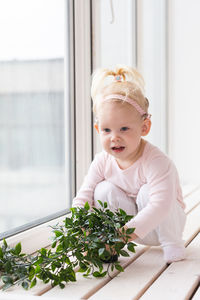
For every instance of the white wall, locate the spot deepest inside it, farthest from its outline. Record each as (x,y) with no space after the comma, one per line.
(151,59)
(184,83)
(113,34)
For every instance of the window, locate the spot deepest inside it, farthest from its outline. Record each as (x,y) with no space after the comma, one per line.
(36,178)
(49,49)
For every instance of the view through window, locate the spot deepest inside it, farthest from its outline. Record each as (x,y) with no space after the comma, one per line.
(33,38)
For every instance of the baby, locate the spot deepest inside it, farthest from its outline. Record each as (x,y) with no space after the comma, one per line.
(131,173)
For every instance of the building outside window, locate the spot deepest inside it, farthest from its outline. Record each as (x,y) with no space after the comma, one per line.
(34,73)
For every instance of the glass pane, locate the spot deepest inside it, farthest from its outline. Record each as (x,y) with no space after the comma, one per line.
(32,121)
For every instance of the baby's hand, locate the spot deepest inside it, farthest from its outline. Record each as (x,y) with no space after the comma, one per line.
(110,249)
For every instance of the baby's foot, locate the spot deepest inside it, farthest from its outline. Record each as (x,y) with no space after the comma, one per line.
(173,253)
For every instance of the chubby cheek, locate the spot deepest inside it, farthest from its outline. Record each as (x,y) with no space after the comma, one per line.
(104,141)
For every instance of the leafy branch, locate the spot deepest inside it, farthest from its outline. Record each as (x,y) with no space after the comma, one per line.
(86,240)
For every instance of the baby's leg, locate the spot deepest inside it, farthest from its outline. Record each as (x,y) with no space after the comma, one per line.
(116,198)
(142,200)
(169,232)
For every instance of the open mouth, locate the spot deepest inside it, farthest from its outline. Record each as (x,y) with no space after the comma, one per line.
(118,149)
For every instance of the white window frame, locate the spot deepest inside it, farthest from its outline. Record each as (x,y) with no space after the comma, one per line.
(83,105)
(152,62)
(79,109)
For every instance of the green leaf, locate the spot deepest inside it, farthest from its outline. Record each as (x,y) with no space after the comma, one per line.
(98,274)
(119,245)
(87,206)
(53,267)
(8,266)
(131,247)
(101,203)
(100,269)
(68,222)
(7,279)
(128,218)
(37,269)
(39,261)
(101,251)
(81,270)
(119,268)
(1,253)
(95,209)
(105,205)
(57,264)
(31,272)
(43,251)
(25,285)
(73,209)
(130,230)
(54,244)
(5,243)
(124,253)
(122,212)
(67,260)
(18,249)
(33,283)
(58,233)
(123,230)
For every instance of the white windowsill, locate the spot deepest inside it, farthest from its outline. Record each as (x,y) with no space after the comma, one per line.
(35,238)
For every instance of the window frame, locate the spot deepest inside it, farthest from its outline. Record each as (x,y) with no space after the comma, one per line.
(83,104)
(78,127)
(156,77)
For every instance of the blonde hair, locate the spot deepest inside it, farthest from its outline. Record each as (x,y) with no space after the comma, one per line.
(104,83)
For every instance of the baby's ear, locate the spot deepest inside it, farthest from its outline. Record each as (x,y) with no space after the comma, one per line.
(96,127)
(146,126)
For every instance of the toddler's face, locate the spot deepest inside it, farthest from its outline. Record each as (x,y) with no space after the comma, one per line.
(120,128)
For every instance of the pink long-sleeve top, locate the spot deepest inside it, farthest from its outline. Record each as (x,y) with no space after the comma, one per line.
(153,168)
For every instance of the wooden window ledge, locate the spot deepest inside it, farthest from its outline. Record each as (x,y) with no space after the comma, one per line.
(146,275)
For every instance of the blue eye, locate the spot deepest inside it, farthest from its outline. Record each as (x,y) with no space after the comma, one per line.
(106,130)
(124,128)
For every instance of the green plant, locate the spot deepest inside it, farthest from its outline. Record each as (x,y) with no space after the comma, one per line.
(15,266)
(82,243)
